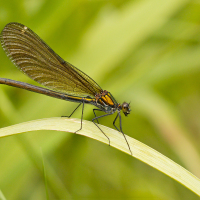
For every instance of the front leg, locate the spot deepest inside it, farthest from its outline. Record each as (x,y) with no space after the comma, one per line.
(120,125)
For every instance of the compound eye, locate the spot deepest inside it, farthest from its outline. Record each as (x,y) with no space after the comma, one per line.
(126,108)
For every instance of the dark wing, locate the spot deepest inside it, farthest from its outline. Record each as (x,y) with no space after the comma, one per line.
(37,60)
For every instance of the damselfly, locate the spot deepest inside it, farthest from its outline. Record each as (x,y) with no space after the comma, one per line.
(37,60)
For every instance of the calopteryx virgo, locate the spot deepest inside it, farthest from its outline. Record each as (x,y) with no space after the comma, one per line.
(37,60)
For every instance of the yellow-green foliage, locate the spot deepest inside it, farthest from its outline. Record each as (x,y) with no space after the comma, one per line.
(143,52)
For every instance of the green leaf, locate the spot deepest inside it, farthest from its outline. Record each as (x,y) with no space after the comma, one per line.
(139,150)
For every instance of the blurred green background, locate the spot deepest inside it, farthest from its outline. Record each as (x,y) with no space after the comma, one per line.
(143,52)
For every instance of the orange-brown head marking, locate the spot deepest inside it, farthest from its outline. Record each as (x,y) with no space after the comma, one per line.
(126,108)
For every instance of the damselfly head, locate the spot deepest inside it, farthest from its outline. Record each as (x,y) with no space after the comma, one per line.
(126,108)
